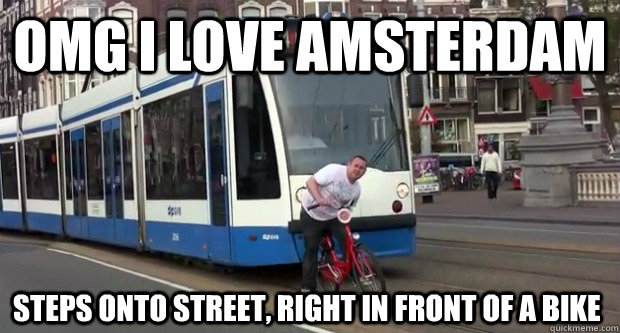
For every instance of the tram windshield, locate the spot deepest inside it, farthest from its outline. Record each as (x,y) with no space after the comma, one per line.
(328,118)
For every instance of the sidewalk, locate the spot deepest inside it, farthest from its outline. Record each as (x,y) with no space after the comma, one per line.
(509,206)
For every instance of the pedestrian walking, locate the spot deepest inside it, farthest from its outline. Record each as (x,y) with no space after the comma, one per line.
(491,167)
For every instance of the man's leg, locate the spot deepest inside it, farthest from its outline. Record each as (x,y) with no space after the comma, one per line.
(313,231)
(337,230)
(496,184)
(489,181)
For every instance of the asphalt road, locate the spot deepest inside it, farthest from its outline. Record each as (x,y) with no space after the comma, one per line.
(31,266)
(452,255)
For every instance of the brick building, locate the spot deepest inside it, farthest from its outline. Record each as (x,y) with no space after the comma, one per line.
(18,93)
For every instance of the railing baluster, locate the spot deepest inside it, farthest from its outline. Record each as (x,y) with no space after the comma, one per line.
(598,186)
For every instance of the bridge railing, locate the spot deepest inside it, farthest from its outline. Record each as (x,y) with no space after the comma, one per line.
(598,183)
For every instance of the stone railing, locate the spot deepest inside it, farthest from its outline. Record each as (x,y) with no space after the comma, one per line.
(598,183)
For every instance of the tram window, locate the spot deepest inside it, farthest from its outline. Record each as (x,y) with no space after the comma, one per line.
(257,168)
(127,156)
(9,171)
(67,161)
(94,170)
(174,147)
(41,168)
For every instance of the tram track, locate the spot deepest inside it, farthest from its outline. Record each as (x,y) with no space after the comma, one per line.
(438,265)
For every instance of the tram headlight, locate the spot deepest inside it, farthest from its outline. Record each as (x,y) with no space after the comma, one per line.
(402,190)
(299,193)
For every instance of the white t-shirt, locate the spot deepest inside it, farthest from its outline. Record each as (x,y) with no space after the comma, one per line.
(491,162)
(334,185)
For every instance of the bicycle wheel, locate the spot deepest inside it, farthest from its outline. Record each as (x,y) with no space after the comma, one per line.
(370,278)
(326,267)
(476,182)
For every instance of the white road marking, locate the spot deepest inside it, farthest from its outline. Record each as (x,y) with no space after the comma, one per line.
(125,270)
(166,282)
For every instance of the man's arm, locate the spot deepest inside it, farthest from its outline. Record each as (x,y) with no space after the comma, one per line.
(313,188)
(483,163)
(499,164)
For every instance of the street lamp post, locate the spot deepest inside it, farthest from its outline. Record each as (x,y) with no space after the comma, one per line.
(564,142)
(425,130)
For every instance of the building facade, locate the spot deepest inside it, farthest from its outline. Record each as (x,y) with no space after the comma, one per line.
(500,113)
(18,92)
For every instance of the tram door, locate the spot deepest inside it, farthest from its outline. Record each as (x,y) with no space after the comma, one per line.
(80,212)
(215,115)
(113,172)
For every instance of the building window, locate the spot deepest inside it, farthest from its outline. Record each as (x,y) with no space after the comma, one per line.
(615,118)
(251,9)
(207,13)
(542,108)
(310,9)
(177,13)
(400,16)
(126,16)
(278,12)
(321,7)
(511,147)
(73,85)
(372,16)
(279,9)
(51,96)
(591,117)
(511,95)
(454,135)
(537,127)
(486,96)
(434,86)
(43,93)
(94,13)
(458,86)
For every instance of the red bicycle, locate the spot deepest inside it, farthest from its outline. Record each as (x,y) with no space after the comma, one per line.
(358,261)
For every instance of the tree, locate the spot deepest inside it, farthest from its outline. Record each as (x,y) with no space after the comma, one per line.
(610,81)
(605,82)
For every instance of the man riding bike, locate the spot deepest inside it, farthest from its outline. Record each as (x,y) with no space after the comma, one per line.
(331,188)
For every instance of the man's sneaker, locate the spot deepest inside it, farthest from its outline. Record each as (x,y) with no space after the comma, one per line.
(305,291)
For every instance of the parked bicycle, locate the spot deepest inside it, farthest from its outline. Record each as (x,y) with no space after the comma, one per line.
(359,262)
(457,179)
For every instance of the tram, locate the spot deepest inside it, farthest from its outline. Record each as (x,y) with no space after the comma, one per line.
(209,167)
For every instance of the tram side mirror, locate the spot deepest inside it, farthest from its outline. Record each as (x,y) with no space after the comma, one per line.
(414,91)
(244,91)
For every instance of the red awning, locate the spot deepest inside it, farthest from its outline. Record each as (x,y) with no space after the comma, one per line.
(544,91)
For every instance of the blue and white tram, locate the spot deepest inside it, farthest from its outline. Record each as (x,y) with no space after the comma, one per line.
(213,167)
(40,131)
(10,203)
(99,171)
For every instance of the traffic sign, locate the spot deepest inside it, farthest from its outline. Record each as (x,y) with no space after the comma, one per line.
(426,116)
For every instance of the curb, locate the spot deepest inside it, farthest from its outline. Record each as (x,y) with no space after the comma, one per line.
(521,219)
